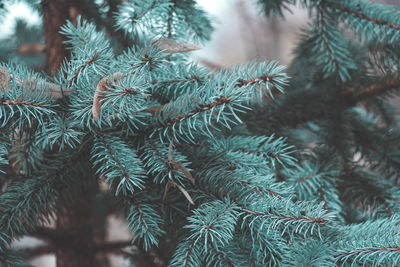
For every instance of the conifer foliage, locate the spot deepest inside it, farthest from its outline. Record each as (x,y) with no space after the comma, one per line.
(252,165)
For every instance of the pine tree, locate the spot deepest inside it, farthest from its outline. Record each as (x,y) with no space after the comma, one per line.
(251,165)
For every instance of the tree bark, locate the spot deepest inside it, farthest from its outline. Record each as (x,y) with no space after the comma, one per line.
(75,218)
(55,13)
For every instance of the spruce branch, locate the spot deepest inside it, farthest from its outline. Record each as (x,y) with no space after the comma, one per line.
(347,98)
(118,163)
(81,68)
(362,16)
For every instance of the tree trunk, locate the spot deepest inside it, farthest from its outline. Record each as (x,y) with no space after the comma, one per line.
(75,218)
(55,13)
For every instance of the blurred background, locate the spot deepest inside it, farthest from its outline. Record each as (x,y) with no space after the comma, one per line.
(242,33)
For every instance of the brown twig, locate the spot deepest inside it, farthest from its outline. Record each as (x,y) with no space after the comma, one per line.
(36,251)
(354,96)
(111,246)
(102,87)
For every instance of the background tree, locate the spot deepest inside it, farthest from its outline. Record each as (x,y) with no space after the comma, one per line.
(209,168)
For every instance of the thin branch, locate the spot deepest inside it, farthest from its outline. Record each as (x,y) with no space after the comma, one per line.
(112,246)
(82,67)
(354,96)
(36,251)
(290,218)
(49,234)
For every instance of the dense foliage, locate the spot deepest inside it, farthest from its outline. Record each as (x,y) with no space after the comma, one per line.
(238,167)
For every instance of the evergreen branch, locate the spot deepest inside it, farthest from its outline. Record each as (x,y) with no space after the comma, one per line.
(21,103)
(173,167)
(219,101)
(190,250)
(36,198)
(326,47)
(194,78)
(346,99)
(144,222)
(362,16)
(310,252)
(363,254)
(222,98)
(92,60)
(118,163)
(212,223)
(10,258)
(228,181)
(353,96)
(274,150)
(222,256)
(300,180)
(286,218)
(321,19)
